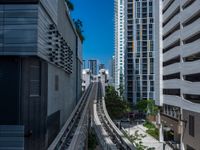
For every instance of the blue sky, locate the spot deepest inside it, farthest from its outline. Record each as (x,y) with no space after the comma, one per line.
(98,22)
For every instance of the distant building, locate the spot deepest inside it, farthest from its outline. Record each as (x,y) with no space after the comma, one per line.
(104,78)
(101,66)
(92,65)
(40,72)
(84,64)
(87,78)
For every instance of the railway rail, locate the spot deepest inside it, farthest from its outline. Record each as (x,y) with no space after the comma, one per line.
(75,127)
(115,139)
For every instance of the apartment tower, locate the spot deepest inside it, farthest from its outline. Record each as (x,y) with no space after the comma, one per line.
(140,50)
(119,43)
(92,65)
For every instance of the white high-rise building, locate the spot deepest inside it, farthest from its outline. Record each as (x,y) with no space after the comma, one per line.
(119,43)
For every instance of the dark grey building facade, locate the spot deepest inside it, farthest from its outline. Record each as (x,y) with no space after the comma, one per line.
(40,71)
(140,50)
(92,65)
(101,66)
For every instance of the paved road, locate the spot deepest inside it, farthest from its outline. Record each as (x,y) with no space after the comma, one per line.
(148,141)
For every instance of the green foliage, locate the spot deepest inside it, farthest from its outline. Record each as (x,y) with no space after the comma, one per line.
(78,23)
(92,141)
(116,107)
(151,129)
(148,125)
(70,5)
(153,132)
(79,29)
(121,89)
(136,139)
(147,106)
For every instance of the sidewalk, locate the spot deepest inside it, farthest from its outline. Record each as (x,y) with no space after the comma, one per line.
(148,141)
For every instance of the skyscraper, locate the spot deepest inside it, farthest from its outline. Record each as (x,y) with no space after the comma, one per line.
(84,64)
(101,66)
(92,65)
(140,50)
(119,43)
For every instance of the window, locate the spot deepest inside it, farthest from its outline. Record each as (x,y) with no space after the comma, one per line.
(188,3)
(192,77)
(193,98)
(176,92)
(191,125)
(172,61)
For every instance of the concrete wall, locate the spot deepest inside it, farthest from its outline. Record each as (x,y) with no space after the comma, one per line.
(171,123)
(50,89)
(63,99)
(188,139)
(69,84)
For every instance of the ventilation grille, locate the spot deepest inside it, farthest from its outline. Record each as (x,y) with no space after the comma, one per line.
(59,52)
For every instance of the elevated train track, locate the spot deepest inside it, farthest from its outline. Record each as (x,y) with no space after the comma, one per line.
(73,135)
(90,110)
(116,139)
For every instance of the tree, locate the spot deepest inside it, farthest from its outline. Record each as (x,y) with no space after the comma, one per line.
(147,106)
(121,90)
(79,29)
(116,107)
(70,5)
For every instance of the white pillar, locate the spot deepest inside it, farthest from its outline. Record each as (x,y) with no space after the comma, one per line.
(161,139)
(181,130)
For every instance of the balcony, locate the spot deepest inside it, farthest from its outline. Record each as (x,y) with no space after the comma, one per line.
(166,2)
(171,24)
(190,48)
(186,87)
(173,37)
(173,68)
(190,67)
(171,9)
(171,53)
(189,11)
(190,30)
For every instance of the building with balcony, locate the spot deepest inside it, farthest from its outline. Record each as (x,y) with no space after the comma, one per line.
(40,71)
(180,101)
(140,50)
(87,78)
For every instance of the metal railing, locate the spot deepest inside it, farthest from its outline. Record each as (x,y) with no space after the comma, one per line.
(68,134)
(118,138)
